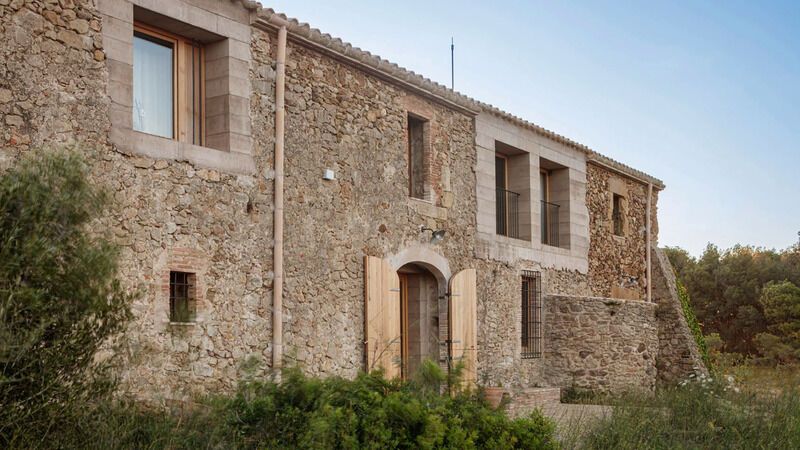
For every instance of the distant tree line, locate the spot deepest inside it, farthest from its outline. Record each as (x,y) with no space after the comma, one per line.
(748,296)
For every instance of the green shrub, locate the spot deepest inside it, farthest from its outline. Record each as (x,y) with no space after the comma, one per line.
(371,412)
(59,297)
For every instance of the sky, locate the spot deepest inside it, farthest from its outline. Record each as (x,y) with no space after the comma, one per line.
(702,95)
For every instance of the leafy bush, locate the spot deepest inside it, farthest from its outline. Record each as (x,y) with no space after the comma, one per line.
(59,298)
(371,412)
(302,412)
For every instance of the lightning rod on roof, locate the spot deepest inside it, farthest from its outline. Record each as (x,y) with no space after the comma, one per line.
(452,64)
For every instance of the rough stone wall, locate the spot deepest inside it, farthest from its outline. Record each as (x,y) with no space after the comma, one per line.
(617,264)
(53,84)
(342,119)
(678,354)
(600,344)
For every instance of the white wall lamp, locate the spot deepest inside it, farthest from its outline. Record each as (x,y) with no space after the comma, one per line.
(436,235)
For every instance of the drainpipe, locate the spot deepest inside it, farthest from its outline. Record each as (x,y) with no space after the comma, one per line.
(277,251)
(648,254)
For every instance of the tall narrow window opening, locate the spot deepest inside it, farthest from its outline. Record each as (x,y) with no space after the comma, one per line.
(531,315)
(549,212)
(617,215)
(416,157)
(507,211)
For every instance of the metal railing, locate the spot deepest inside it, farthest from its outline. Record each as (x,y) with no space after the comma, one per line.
(550,223)
(507,213)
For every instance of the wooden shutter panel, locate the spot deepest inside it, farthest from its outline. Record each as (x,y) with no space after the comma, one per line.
(382,316)
(463,317)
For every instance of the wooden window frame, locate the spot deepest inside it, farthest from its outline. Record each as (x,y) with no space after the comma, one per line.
(191,129)
(546,173)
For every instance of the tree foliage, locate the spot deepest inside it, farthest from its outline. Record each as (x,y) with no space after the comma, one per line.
(781,341)
(727,290)
(59,297)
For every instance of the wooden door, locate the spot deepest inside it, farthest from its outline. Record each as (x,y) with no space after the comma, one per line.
(382,317)
(463,319)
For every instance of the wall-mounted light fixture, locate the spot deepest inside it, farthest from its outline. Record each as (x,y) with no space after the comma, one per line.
(436,235)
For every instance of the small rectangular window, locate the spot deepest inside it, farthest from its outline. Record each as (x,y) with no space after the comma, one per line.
(168,76)
(416,157)
(182,290)
(617,215)
(531,315)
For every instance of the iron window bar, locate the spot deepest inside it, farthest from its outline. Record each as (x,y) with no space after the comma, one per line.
(531,315)
(181,293)
(507,213)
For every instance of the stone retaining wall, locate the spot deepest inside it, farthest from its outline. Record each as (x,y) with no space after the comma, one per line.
(600,344)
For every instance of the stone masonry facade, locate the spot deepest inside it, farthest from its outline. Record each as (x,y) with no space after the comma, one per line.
(66,83)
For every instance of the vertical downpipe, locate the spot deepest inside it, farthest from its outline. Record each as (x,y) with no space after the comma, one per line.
(649,243)
(277,251)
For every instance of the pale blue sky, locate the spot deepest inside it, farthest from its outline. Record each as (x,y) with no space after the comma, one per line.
(704,95)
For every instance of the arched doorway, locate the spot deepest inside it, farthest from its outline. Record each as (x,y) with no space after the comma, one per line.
(421,311)
(401,320)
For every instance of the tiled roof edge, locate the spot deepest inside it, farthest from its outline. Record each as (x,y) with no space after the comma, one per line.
(375,62)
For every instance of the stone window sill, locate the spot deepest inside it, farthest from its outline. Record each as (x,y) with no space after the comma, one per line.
(158,147)
(182,324)
(427,208)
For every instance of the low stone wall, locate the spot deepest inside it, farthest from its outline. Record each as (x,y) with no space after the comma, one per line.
(600,344)
(678,355)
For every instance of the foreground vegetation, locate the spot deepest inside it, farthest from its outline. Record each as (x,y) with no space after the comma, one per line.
(368,412)
(704,414)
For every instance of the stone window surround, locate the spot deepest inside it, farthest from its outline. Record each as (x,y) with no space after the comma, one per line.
(489,130)
(227,84)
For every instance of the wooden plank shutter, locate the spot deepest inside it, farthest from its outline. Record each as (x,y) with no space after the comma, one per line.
(463,317)
(382,317)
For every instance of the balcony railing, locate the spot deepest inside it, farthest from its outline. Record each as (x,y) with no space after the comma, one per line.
(550,229)
(507,213)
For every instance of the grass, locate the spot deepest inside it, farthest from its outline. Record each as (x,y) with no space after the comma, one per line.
(761,412)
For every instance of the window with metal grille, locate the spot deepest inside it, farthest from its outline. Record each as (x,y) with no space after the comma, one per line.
(531,314)
(182,305)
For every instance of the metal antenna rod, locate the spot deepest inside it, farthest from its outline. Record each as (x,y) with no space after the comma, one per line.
(452,65)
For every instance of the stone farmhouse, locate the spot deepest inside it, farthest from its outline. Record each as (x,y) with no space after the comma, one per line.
(284,198)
